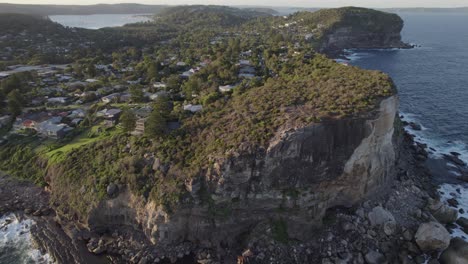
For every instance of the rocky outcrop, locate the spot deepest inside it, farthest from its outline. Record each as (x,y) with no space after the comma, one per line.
(352,38)
(456,253)
(442,212)
(302,173)
(359,28)
(432,236)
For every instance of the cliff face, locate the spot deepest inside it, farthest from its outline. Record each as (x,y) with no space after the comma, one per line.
(303,172)
(359,28)
(349,37)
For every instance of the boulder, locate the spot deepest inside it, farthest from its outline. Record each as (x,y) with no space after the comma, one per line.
(374,257)
(456,253)
(454,159)
(415,126)
(442,212)
(381,217)
(432,236)
(463,222)
(112,189)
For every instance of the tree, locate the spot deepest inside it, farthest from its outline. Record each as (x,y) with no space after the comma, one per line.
(155,125)
(137,94)
(190,87)
(14,103)
(162,106)
(128,121)
(152,71)
(91,70)
(2,101)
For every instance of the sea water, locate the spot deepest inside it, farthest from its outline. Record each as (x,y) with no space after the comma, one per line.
(99,20)
(432,81)
(16,246)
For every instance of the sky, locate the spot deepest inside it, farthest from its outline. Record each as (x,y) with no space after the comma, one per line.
(291,3)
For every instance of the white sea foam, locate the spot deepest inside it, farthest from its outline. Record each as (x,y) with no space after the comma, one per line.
(16,242)
(449,191)
(440,146)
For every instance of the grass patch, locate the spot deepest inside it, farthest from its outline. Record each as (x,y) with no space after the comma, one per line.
(88,136)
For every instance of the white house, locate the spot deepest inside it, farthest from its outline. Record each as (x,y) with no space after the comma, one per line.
(193,108)
(57,100)
(226,88)
(111,98)
(159,85)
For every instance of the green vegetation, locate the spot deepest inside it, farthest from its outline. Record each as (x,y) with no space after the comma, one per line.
(128,121)
(291,85)
(326,21)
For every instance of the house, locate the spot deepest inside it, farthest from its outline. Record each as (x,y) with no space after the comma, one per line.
(181,64)
(52,130)
(76,121)
(77,113)
(138,81)
(193,108)
(64,78)
(246,53)
(226,88)
(244,63)
(30,120)
(159,85)
(57,100)
(246,75)
(154,96)
(91,80)
(111,98)
(4,75)
(111,116)
(125,97)
(186,74)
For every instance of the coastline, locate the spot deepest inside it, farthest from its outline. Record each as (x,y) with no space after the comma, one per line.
(31,202)
(406,200)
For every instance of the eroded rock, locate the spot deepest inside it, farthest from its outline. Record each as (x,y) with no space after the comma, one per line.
(432,236)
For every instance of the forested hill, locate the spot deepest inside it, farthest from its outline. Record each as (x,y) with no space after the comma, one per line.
(80,9)
(208,15)
(16,23)
(327,20)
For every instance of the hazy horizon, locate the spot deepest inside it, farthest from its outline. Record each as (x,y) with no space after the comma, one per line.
(277,3)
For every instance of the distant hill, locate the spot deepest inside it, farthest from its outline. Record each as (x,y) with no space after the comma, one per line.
(199,15)
(14,23)
(428,10)
(80,9)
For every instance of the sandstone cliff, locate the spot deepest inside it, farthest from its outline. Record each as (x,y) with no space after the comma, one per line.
(303,172)
(358,28)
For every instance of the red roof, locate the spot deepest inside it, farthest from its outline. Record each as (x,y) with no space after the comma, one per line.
(28,123)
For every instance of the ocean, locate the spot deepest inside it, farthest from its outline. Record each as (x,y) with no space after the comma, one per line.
(99,20)
(16,244)
(432,81)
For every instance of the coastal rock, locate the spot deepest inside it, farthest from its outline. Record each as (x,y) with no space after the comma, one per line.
(374,257)
(432,236)
(455,160)
(442,212)
(316,167)
(360,34)
(381,217)
(456,253)
(463,222)
(415,126)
